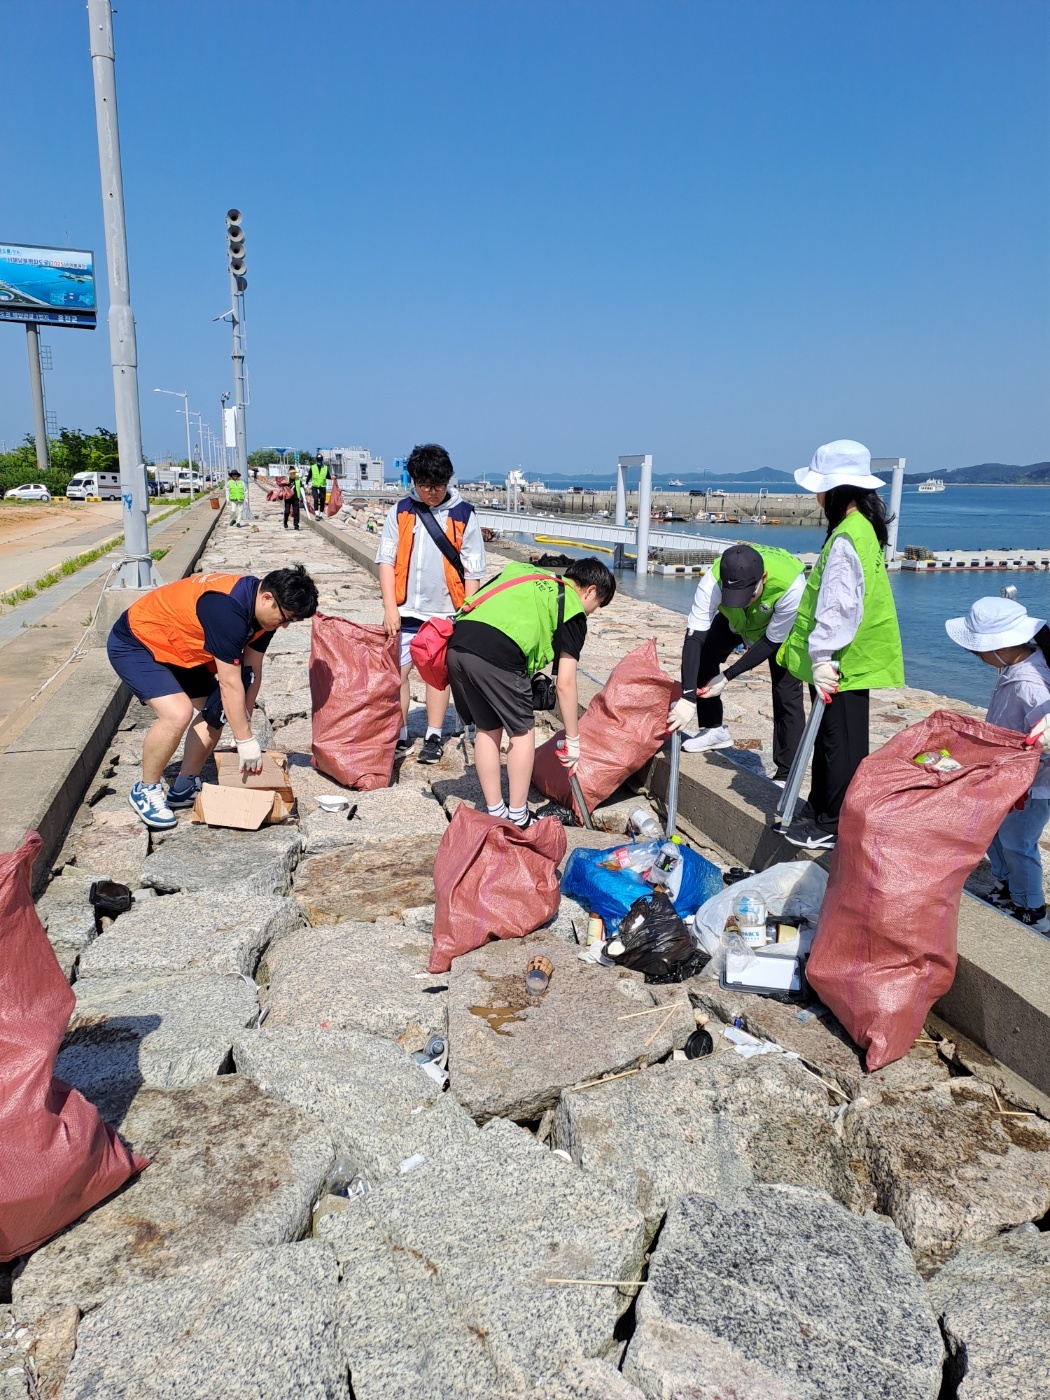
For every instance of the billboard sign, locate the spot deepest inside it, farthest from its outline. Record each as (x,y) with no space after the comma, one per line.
(52,286)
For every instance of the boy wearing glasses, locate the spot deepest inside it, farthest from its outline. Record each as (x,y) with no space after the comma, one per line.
(195,648)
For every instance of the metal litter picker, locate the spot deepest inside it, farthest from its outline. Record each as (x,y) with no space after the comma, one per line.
(577,792)
(672,783)
(785,809)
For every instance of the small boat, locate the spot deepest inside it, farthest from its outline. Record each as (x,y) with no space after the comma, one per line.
(732,519)
(930,485)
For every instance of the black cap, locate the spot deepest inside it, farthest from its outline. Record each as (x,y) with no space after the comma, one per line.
(235,472)
(740,571)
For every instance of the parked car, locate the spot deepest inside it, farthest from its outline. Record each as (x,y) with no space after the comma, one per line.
(31,491)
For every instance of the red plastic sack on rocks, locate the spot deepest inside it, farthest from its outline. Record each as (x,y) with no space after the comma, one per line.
(57,1157)
(355,688)
(623,727)
(335,500)
(492,880)
(885,945)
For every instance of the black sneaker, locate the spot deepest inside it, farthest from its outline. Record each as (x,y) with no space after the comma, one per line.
(810,836)
(998,896)
(524,826)
(1035,919)
(403,746)
(433,750)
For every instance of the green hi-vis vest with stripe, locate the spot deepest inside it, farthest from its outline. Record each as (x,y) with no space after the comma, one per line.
(527,613)
(874,659)
(782,569)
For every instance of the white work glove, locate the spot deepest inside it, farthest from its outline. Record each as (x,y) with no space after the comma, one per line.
(826,680)
(713,688)
(250,755)
(683,712)
(568,751)
(1039,735)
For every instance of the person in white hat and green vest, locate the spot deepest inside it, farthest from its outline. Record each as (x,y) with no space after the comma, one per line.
(751,595)
(1000,632)
(845,641)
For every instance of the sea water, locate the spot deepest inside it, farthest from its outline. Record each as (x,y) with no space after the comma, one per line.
(960,517)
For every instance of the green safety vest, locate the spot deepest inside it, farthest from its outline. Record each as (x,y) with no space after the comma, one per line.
(874,659)
(318,474)
(782,569)
(527,613)
(296,483)
(236,490)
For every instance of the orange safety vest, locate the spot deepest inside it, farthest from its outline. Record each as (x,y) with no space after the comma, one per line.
(166,620)
(455,528)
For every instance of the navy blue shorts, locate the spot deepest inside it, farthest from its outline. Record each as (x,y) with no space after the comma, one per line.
(146,677)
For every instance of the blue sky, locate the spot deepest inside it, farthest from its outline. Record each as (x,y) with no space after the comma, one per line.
(548,233)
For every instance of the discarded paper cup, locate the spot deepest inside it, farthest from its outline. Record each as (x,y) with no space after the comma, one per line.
(595,930)
(700,1043)
(332,802)
(538,974)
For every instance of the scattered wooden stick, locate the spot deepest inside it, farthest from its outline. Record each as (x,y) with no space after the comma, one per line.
(828,1084)
(601,1282)
(660,1027)
(649,1010)
(1007,1112)
(590,1083)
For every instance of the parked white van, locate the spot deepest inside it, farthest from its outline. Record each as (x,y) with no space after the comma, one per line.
(103,485)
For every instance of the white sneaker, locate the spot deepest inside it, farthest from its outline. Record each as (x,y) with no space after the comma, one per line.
(708,739)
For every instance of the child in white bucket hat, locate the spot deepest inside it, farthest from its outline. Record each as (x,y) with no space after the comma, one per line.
(1001,633)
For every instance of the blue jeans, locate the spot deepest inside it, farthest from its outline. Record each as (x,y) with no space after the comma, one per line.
(1014,853)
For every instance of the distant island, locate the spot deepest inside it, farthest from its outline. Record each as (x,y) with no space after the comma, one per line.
(987,474)
(990,474)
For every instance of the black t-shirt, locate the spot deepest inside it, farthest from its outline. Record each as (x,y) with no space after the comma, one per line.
(228,620)
(480,639)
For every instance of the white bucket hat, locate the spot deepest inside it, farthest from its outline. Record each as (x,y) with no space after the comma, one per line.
(993,623)
(841,463)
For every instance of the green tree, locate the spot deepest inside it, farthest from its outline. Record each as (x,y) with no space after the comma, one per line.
(263,457)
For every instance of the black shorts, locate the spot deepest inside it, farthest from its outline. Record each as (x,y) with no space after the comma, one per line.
(488,696)
(145,676)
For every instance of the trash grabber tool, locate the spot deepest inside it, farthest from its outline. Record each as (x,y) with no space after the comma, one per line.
(785,809)
(577,792)
(672,783)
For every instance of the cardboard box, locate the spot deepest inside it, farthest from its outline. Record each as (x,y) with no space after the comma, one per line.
(245,808)
(273,777)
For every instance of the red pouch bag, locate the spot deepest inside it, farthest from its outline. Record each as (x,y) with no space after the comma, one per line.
(620,731)
(492,880)
(885,946)
(355,689)
(57,1157)
(335,500)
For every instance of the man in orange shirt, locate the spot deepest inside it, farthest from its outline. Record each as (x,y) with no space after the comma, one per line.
(197,646)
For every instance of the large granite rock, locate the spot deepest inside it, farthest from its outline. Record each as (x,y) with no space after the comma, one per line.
(206,932)
(258,1326)
(364,977)
(66,911)
(445,1271)
(232,1169)
(375,1100)
(513,1053)
(993,1301)
(716,1125)
(164,1033)
(218,859)
(585,1380)
(367,882)
(112,847)
(780,1293)
(400,813)
(948,1167)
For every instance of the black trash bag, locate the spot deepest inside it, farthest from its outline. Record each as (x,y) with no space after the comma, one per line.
(656,942)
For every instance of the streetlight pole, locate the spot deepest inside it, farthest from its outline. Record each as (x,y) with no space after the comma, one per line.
(224,399)
(183,394)
(136,569)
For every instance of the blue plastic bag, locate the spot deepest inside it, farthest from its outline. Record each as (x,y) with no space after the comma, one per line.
(610,893)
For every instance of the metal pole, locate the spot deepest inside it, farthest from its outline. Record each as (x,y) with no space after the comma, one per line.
(36,380)
(671,825)
(136,569)
(785,808)
(241,449)
(645,493)
(896,491)
(621,494)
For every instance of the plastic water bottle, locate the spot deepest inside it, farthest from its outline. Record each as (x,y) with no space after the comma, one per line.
(645,825)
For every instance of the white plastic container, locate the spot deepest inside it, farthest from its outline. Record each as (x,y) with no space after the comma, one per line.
(751,914)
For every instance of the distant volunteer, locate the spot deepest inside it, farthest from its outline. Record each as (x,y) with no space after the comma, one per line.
(293,500)
(235,496)
(195,648)
(518,625)
(319,484)
(431,557)
(750,595)
(845,640)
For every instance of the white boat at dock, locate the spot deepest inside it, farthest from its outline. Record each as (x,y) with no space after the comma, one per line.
(930,485)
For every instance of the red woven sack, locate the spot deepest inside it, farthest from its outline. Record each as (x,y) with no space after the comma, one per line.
(492,880)
(57,1157)
(355,689)
(429,650)
(622,728)
(885,946)
(335,500)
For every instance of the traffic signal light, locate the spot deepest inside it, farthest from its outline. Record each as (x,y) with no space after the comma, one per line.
(235,248)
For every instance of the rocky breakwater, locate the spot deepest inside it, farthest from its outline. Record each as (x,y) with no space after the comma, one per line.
(569,1212)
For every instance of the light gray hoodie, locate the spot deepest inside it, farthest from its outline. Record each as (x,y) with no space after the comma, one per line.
(427,594)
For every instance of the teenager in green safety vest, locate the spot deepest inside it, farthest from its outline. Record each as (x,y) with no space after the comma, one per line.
(845,641)
(502,639)
(752,595)
(235,496)
(319,484)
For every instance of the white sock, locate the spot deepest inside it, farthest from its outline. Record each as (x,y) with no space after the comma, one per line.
(404,733)
(433,733)
(499,811)
(517,814)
